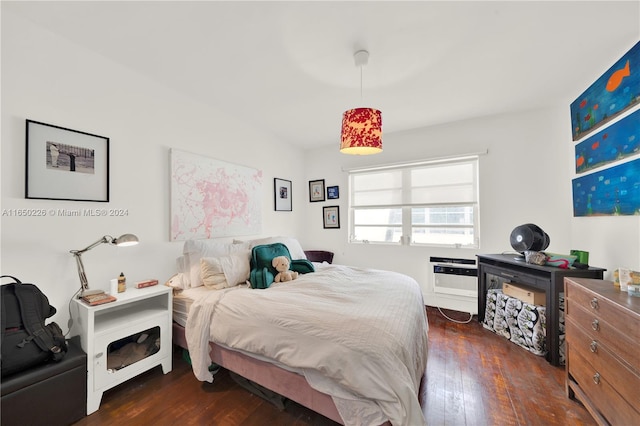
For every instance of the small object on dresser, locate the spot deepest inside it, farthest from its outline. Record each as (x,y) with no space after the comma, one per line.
(624,276)
(122,283)
(634,286)
(146,283)
(98,299)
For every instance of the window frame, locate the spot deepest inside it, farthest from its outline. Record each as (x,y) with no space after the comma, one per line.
(407,226)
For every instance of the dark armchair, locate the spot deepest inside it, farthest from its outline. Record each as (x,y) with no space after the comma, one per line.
(319,256)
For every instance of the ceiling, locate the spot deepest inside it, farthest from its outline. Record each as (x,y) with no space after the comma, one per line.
(289,66)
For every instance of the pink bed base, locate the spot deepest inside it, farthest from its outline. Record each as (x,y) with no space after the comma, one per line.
(286,383)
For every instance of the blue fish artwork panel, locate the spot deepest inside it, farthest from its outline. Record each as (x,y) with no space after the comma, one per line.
(616,142)
(610,192)
(613,93)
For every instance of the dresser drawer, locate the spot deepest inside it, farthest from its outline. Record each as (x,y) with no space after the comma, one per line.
(610,404)
(604,333)
(625,321)
(600,358)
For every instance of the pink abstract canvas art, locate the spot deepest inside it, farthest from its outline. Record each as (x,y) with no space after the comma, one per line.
(211,198)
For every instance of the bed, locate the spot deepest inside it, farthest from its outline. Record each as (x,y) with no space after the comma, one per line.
(349,343)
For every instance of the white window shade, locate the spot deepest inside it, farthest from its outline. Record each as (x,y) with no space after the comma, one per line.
(433,203)
(438,184)
(377,189)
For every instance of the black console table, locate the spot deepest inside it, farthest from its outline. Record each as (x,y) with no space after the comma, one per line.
(547,278)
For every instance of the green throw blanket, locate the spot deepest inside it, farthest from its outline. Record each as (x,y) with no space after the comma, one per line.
(262,271)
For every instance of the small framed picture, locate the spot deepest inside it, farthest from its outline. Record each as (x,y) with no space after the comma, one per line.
(331,217)
(282,195)
(333,192)
(316,190)
(65,164)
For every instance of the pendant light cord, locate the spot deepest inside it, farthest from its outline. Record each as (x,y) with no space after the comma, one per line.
(361,98)
(361,58)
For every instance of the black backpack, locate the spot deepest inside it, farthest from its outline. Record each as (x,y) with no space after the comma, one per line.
(26,340)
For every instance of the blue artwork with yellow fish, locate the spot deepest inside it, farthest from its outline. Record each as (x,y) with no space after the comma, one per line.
(616,142)
(614,92)
(610,192)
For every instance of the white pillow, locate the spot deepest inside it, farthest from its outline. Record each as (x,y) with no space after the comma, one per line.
(236,268)
(183,270)
(194,250)
(295,249)
(224,272)
(180,264)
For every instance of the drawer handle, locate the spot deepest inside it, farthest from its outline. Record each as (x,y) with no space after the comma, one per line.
(595,325)
(594,303)
(596,378)
(594,346)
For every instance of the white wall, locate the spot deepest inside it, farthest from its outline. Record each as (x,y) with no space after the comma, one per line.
(46,78)
(524,178)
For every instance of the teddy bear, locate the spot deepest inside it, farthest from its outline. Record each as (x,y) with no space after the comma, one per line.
(282,263)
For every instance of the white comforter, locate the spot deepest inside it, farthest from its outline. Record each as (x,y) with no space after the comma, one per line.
(359,335)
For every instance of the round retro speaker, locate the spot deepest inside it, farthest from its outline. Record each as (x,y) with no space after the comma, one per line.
(529,237)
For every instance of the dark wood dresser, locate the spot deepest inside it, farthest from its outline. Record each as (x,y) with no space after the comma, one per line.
(603,350)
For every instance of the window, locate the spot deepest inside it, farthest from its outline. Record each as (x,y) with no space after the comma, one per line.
(427,203)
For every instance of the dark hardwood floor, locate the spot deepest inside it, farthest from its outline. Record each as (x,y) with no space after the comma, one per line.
(474,377)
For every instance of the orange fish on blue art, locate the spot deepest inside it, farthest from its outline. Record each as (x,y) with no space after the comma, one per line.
(616,78)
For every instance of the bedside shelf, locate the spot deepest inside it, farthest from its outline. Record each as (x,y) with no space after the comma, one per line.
(136,311)
(117,318)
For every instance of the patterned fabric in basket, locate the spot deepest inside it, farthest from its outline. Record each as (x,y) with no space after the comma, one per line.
(520,322)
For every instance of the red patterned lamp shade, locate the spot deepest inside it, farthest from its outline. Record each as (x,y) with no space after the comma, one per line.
(361,131)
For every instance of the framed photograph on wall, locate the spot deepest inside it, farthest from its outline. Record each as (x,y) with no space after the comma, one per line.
(65,164)
(333,192)
(316,190)
(282,195)
(331,217)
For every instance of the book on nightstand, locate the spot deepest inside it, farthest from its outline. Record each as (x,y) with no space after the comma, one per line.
(146,283)
(98,299)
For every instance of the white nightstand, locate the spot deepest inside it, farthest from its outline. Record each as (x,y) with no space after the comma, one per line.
(135,311)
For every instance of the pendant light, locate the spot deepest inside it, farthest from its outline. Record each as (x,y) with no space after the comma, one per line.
(361,127)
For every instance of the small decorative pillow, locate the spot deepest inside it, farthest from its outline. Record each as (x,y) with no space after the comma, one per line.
(223,272)
(176,283)
(212,273)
